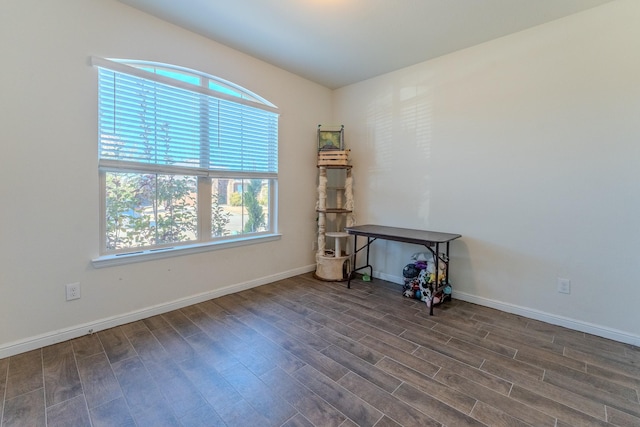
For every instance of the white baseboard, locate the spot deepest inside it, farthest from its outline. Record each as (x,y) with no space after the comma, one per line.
(530,313)
(388,277)
(53,337)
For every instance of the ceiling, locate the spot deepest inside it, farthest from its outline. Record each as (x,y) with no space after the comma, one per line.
(339,42)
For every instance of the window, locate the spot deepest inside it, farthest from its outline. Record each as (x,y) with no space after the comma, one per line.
(185,159)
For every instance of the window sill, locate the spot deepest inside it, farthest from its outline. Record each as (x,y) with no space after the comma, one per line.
(148,255)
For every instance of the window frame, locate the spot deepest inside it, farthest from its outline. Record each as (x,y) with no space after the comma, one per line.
(205,241)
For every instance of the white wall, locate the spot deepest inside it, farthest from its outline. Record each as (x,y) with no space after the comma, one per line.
(528,146)
(49,180)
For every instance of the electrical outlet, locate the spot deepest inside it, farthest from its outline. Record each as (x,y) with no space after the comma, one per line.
(73,291)
(564,286)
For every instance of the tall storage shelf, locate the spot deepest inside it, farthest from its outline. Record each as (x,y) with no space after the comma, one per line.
(335,212)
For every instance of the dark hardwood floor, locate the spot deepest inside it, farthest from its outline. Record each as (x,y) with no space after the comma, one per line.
(301,352)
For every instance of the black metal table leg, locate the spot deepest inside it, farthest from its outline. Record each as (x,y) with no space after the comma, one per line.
(370,240)
(433,287)
(353,261)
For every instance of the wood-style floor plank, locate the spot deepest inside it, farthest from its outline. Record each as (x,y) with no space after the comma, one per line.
(314,409)
(87,345)
(61,378)
(494,417)
(112,413)
(98,381)
(25,374)
(140,391)
(71,412)
(27,409)
(554,408)
(611,394)
(620,418)
(393,407)
(257,394)
(436,409)
(565,396)
(356,409)
(492,382)
(506,404)
(116,345)
(363,368)
(428,385)
(301,352)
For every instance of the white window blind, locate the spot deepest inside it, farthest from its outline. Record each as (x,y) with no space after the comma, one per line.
(148,122)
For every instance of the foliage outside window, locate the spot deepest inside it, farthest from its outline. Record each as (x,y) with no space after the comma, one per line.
(184,157)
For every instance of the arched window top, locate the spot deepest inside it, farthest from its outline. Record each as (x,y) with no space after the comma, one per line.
(208,82)
(183,120)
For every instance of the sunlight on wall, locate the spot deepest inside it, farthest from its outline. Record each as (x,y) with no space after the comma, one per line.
(399,131)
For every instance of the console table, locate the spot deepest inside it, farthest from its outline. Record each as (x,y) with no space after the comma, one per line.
(429,239)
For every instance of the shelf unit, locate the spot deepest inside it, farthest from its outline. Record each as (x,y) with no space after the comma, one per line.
(335,212)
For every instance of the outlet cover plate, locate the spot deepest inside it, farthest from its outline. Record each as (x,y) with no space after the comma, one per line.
(564,286)
(72,291)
